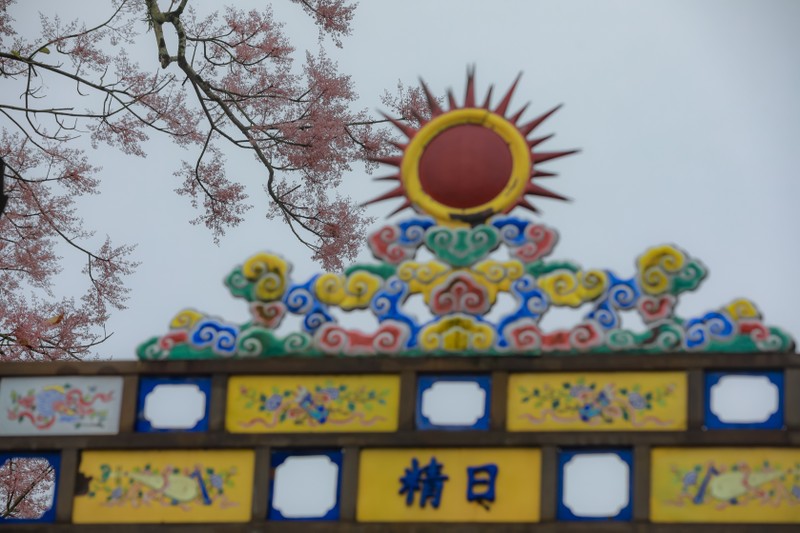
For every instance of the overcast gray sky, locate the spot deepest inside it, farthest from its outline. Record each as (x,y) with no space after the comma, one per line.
(686,111)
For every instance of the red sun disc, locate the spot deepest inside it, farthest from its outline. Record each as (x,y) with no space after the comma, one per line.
(465,166)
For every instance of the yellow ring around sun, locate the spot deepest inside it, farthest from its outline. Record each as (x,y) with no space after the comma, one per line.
(514,188)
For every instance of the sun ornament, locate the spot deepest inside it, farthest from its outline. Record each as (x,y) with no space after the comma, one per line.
(466,164)
(463,171)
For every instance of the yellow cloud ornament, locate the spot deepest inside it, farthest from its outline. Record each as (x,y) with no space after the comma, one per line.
(352,292)
(457,334)
(742,308)
(567,288)
(656,267)
(269,272)
(185,319)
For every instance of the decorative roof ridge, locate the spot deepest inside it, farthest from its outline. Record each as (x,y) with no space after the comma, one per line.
(460,286)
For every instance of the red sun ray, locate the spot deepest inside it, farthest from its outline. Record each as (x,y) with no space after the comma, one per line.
(433,105)
(536,142)
(469,97)
(407,130)
(404,205)
(394,160)
(525,204)
(518,115)
(451,100)
(502,107)
(543,174)
(525,129)
(541,157)
(394,193)
(394,177)
(398,145)
(488,98)
(532,188)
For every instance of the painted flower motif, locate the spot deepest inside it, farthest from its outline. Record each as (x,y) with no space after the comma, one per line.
(332,392)
(27,401)
(637,401)
(690,478)
(594,402)
(116,494)
(274,402)
(316,406)
(578,390)
(612,412)
(216,481)
(796,491)
(46,400)
(84,410)
(588,411)
(604,398)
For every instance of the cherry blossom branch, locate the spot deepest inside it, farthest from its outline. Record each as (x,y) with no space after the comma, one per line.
(3,195)
(13,500)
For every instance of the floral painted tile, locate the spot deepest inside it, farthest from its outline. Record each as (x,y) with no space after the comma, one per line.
(62,405)
(283,404)
(597,401)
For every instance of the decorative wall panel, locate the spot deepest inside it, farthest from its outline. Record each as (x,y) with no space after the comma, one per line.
(173,404)
(61,405)
(733,485)
(453,402)
(282,404)
(305,484)
(601,401)
(763,405)
(595,484)
(165,486)
(449,485)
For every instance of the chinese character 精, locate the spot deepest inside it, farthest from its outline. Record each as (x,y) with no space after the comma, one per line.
(428,480)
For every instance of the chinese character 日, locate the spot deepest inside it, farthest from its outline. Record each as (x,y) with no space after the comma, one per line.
(482,478)
(428,480)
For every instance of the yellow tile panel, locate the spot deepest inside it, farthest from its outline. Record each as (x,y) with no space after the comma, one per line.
(597,401)
(165,486)
(517,482)
(312,404)
(732,485)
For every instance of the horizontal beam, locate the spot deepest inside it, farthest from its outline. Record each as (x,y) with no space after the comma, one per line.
(347,527)
(402,439)
(365,365)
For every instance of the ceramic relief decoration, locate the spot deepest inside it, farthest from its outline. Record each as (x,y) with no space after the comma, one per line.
(597,401)
(463,171)
(164,486)
(288,404)
(63,405)
(449,485)
(732,485)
